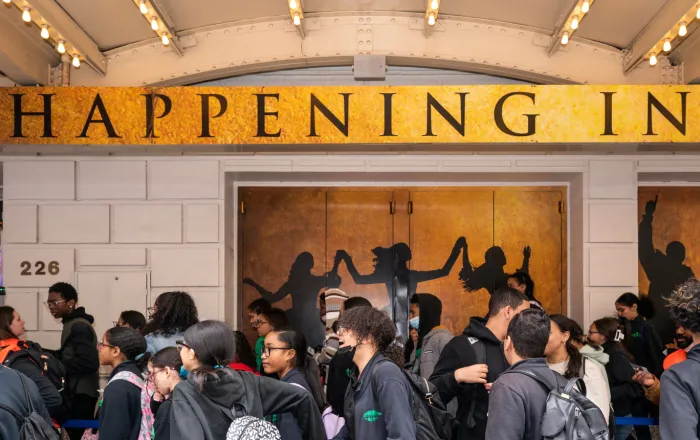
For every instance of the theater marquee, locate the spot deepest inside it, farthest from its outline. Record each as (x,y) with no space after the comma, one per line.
(339,115)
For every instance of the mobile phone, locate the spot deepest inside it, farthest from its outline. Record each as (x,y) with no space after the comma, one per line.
(640,368)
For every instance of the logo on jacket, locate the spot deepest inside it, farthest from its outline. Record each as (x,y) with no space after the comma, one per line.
(371,416)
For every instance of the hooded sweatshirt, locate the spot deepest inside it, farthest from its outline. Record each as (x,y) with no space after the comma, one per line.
(78,353)
(458,353)
(623,390)
(205,414)
(432,337)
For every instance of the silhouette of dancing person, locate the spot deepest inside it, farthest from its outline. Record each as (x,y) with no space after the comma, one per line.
(490,275)
(665,272)
(391,269)
(304,288)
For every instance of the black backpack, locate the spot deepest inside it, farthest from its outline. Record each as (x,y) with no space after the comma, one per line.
(33,426)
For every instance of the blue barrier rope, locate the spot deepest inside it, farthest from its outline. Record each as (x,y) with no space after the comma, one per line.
(636,421)
(84,424)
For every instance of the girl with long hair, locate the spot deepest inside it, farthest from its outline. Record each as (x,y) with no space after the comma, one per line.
(205,405)
(121,408)
(285,354)
(245,359)
(641,338)
(564,357)
(378,400)
(523,282)
(172,314)
(165,374)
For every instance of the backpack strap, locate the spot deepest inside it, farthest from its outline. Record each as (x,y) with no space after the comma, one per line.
(414,405)
(27,398)
(479,350)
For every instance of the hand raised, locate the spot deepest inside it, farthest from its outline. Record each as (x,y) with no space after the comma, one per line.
(527,251)
(473,374)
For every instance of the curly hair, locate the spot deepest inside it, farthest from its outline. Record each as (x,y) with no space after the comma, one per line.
(370,324)
(684,305)
(175,313)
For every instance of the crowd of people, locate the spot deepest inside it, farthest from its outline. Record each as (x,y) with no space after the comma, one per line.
(174,376)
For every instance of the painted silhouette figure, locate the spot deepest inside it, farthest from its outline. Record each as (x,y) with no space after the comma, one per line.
(665,272)
(304,288)
(490,275)
(391,269)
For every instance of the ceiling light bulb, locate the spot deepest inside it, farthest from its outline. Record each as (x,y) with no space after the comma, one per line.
(142,7)
(431,19)
(7,1)
(76,61)
(154,23)
(297,19)
(61,48)
(586,6)
(574,22)
(44,31)
(565,38)
(667,45)
(683,30)
(26,15)
(697,14)
(292,4)
(165,39)
(435,4)
(652,60)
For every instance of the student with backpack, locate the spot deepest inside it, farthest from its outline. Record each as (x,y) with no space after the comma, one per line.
(23,415)
(125,408)
(285,354)
(26,357)
(473,360)
(378,402)
(531,401)
(213,396)
(165,374)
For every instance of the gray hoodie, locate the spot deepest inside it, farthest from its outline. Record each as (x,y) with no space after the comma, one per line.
(433,343)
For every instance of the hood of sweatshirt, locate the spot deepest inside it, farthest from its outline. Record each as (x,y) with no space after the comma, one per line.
(223,389)
(477,328)
(595,354)
(78,313)
(430,313)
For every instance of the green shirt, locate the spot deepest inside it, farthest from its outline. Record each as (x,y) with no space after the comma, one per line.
(259,344)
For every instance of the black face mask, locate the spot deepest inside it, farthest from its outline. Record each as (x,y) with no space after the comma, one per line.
(682,342)
(347,349)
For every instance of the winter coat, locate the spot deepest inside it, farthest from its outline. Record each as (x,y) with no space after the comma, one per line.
(13,396)
(78,353)
(120,410)
(623,390)
(680,399)
(644,344)
(285,422)
(433,345)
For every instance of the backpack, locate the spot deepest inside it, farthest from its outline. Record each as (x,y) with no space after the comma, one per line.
(252,428)
(568,415)
(479,350)
(433,421)
(33,426)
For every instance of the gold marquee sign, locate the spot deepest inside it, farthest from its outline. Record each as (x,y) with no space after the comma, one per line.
(339,115)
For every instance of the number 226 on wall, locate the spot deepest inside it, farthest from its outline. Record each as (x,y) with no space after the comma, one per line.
(40,268)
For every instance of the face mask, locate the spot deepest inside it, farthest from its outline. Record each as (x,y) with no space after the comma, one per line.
(348,349)
(256,324)
(414,322)
(682,342)
(183,373)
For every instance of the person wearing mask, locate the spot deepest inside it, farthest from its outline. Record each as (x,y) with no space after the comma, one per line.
(285,354)
(378,404)
(131,319)
(623,390)
(25,357)
(172,314)
(642,340)
(459,374)
(564,357)
(517,403)
(198,402)
(341,363)
(432,337)
(680,402)
(165,373)
(255,308)
(16,387)
(244,360)
(78,353)
(523,282)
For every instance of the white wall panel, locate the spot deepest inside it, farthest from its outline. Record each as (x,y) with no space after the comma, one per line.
(47,321)
(50,340)
(19,223)
(183,179)
(26,303)
(149,223)
(201,223)
(612,266)
(112,257)
(601,302)
(111,180)
(33,180)
(612,179)
(185,267)
(74,223)
(205,298)
(29,261)
(612,222)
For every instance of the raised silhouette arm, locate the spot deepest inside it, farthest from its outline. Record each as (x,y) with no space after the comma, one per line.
(647,253)
(266,294)
(372,278)
(467,268)
(427,275)
(526,260)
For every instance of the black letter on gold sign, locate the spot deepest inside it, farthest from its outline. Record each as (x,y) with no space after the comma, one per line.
(99,106)
(262,113)
(150,110)
(434,104)
(653,102)
(501,124)
(388,124)
(19,114)
(223,105)
(608,114)
(317,104)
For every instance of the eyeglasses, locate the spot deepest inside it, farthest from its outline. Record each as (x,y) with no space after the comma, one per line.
(266,350)
(180,344)
(51,304)
(101,345)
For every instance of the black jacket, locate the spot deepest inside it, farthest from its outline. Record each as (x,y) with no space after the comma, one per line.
(206,414)
(338,380)
(458,353)
(12,395)
(644,344)
(680,399)
(623,390)
(120,412)
(161,425)
(78,353)
(285,422)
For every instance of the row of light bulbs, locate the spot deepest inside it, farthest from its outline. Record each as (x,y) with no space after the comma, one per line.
(432,16)
(45,34)
(666,46)
(576,20)
(293,6)
(152,17)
